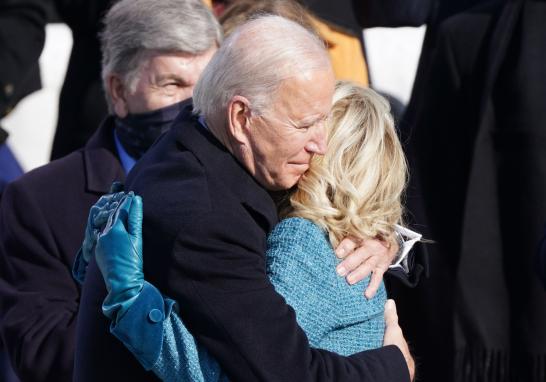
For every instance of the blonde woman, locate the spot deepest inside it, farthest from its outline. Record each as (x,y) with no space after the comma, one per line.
(354,190)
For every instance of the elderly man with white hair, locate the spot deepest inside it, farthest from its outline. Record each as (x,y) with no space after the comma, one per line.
(153,54)
(256,122)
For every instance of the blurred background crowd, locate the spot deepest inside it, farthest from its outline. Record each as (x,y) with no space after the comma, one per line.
(473,127)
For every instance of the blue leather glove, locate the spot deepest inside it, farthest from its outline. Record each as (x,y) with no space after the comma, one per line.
(98,216)
(119,257)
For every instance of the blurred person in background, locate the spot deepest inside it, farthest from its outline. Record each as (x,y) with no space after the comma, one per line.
(147,73)
(343,38)
(22,36)
(82,105)
(479,156)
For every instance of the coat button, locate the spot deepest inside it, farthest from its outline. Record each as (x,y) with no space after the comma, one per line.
(155,316)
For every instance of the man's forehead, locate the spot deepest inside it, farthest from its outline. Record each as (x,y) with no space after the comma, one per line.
(306,98)
(177,66)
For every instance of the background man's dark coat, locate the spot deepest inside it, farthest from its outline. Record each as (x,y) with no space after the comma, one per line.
(42,221)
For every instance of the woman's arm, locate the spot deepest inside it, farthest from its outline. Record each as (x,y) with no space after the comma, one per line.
(336,316)
(163,344)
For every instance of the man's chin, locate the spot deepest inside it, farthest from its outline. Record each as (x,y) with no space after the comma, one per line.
(283,184)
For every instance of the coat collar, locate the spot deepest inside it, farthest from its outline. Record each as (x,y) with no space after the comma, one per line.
(220,163)
(101,162)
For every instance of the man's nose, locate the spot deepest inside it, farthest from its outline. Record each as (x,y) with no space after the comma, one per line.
(317,143)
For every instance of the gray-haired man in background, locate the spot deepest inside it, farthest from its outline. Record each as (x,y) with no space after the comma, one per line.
(153,54)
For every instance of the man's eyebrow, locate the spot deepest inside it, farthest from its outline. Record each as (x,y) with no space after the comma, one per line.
(171,76)
(311,120)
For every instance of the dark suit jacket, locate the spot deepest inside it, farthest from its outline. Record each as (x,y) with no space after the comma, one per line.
(42,219)
(205,226)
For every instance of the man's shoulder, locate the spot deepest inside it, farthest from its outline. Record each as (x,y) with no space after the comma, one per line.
(59,191)
(42,183)
(172,179)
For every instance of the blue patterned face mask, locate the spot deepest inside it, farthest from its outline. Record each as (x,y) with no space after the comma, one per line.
(137,132)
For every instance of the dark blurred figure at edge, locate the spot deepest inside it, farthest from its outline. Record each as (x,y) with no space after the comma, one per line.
(477,145)
(22,37)
(22,25)
(82,105)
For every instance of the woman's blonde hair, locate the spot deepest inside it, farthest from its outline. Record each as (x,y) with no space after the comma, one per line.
(356,188)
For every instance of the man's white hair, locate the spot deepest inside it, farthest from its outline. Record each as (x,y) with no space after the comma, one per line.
(253,62)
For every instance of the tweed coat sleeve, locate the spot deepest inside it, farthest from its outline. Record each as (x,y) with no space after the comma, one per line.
(335,316)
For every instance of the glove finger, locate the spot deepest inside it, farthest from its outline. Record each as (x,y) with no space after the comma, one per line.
(105,200)
(134,226)
(108,207)
(108,202)
(119,217)
(122,212)
(102,216)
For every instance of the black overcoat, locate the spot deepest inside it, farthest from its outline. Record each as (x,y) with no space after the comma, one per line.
(42,219)
(205,226)
(479,152)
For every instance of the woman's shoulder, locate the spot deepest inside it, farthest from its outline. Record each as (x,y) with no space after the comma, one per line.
(300,240)
(296,231)
(297,226)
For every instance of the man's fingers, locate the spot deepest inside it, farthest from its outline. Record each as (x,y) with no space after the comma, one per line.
(391,316)
(358,258)
(375,282)
(394,335)
(361,270)
(346,246)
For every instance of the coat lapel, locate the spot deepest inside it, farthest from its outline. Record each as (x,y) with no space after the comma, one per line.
(101,163)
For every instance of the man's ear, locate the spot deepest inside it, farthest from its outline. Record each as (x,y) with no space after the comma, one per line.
(116,90)
(239,119)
